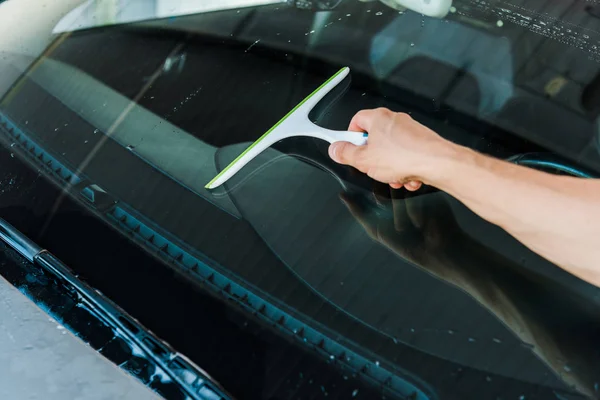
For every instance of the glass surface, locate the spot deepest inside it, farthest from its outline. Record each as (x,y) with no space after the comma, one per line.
(151,110)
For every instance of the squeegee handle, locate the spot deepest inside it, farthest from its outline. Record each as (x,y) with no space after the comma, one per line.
(357,138)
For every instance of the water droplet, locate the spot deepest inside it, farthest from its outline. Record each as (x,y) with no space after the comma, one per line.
(95,130)
(412,44)
(497,340)
(567,368)
(522,397)
(354,392)
(450,331)
(55,129)
(130,147)
(347,15)
(488,379)
(66,124)
(332,357)
(12,155)
(586,37)
(499,23)
(341,283)
(471,339)
(86,141)
(12,145)
(452,9)
(377,363)
(26,122)
(378,13)
(412,330)
(395,341)
(345,377)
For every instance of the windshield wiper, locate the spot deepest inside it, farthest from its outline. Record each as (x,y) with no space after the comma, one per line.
(169,366)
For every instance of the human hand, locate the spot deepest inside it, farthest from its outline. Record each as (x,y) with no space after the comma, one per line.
(400,151)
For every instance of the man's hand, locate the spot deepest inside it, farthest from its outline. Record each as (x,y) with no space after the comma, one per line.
(555,216)
(400,151)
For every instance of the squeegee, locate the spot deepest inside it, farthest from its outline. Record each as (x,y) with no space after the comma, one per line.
(294,123)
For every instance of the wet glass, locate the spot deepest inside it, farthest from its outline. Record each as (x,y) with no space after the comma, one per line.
(149,104)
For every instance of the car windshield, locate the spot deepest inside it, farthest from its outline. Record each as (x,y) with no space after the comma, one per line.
(135,106)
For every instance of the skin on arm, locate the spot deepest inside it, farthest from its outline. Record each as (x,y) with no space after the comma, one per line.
(555,216)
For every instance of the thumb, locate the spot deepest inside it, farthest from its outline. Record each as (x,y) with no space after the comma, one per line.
(344,152)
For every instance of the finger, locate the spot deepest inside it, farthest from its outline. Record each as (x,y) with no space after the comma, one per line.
(364,120)
(361,122)
(413,185)
(345,153)
(396,185)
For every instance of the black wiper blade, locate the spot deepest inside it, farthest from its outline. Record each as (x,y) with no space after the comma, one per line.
(170,368)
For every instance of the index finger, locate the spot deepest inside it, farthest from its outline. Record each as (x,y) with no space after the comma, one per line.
(364,120)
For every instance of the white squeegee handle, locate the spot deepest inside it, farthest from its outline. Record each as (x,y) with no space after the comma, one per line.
(294,123)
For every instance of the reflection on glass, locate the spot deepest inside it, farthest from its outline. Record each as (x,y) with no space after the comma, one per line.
(95,13)
(540,312)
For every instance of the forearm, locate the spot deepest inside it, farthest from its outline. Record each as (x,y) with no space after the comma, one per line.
(557,217)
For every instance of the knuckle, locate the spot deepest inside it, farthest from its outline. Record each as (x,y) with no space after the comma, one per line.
(382,111)
(362,114)
(403,116)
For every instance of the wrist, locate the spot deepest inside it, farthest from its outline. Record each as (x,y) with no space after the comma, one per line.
(445,163)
